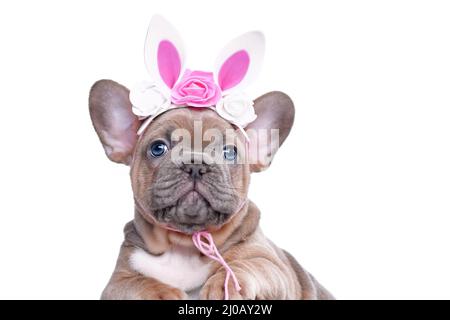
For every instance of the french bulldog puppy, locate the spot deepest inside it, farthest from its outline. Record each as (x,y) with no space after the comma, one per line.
(157,262)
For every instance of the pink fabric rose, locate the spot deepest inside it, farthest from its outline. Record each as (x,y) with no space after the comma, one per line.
(196,89)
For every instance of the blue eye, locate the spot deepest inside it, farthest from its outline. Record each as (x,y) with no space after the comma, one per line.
(157,149)
(230,152)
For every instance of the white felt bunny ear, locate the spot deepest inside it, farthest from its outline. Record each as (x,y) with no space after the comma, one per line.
(240,61)
(164,52)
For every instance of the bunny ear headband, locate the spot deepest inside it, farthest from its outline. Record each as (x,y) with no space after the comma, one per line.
(172,86)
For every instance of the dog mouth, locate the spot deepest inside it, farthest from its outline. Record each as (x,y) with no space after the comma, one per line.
(192,212)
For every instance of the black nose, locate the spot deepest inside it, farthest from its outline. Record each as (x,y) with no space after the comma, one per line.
(195,170)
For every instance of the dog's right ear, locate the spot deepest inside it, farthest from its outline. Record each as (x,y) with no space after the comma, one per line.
(113,120)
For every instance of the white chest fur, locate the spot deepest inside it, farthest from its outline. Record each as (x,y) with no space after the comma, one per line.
(179,267)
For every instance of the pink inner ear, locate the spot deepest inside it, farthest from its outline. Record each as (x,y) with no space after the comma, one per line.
(169,63)
(234,70)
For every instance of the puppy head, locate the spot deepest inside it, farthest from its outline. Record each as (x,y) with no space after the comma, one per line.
(190,169)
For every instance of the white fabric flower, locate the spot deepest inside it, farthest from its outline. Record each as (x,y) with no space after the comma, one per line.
(147,99)
(236,108)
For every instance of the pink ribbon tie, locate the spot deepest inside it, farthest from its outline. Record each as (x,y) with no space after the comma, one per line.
(209,249)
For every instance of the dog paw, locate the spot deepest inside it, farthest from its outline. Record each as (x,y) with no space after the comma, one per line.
(214,288)
(164,293)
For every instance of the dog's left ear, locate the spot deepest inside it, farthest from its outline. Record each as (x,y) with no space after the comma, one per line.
(275,117)
(114,122)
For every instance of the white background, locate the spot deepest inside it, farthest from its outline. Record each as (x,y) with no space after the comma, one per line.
(360,192)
